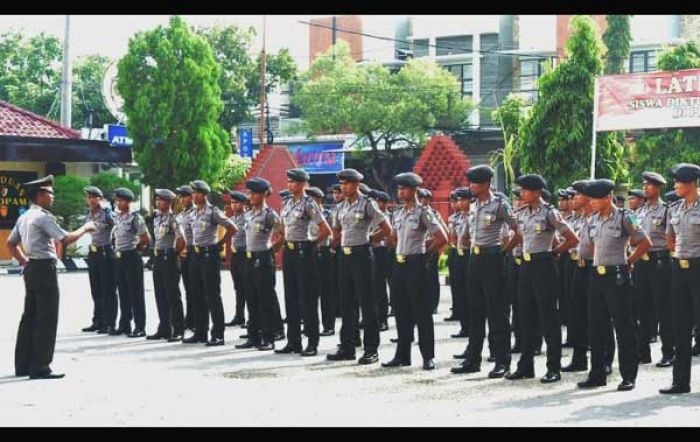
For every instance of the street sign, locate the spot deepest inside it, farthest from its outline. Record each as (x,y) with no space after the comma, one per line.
(118,136)
(245,142)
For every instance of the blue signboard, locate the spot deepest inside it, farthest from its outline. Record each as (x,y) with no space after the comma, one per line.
(118,136)
(319,158)
(245,142)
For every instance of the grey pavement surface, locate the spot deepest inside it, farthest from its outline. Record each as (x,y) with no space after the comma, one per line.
(134,382)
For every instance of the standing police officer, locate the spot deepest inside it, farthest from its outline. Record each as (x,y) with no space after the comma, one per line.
(238,249)
(101,263)
(485,278)
(131,238)
(382,264)
(460,260)
(206,274)
(301,291)
(183,219)
(610,292)
(36,230)
(537,285)
(169,243)
(354,218)
(683,235)
(412,223)
(424,198)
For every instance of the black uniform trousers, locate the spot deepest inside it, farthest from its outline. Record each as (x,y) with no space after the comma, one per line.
(685,306)
(651,285)
(611,296)
(381,277)
(487,303)
(565,269)
(336,276)
(36,337)
(301,292)
(132,303)
(259,280)
(185,266)
(103,286)
(434,280)
(458,284)
(537,299)
(355,279)
(413,307)
(577,330)
(206,287)
(326,264)
(237,268)
(166,285)
(451,252)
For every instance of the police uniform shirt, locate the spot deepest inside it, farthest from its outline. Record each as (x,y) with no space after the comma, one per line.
(238,240)
(584,249)
(313,228)
(297,215)
(129,227)
(183,218)
(204,224)
(259,227)
(166,231)
(37,230)
(610,236)
(653,221)
(684,223)
(375,228)
(537,227)
(412,227)
(487,220)
(355,219)
(104,222)
(454,225)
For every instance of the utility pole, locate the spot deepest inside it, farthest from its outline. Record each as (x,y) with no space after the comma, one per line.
(261,135)
(333,24)
(66,80)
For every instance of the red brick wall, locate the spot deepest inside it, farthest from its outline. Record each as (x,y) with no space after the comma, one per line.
(321,38)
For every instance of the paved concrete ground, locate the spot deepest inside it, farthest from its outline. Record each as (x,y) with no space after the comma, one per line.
(120,381)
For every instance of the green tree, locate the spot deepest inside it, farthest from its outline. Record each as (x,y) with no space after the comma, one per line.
(509,115)
(555,140)
(659,149)
(234,173)
(88,72)
(69,204)
(169,82)
(108,182)
(617,38)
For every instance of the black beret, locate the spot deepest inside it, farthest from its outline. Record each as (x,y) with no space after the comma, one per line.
(299,175)
(671,196)
(453,196)
(336,187)
(408,179)
(501,195)
(480,174)
(599,188)
(639,193)
(425,193)
(41,183)
(654,178)
(620,199)
(546,195)
(463,193)
(350,175)
(257,185)
(124,193)
(94,191)
(382,196)
(165,193)
(365,189)
(238,196)
(200,186)
(531,182)
(580,185)
(563,194)
(685,172)
(284,193)
(185,190)
(314,191)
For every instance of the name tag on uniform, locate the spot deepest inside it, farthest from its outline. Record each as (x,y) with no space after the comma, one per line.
(684,264)
(249,254)
(290,245)
(477,250)
(645,257)
(400,259)
(93,249)
(347,250)
(527,257)
(460,252)
(601,270)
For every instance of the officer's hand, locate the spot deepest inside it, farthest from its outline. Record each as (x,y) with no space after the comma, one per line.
(90,226)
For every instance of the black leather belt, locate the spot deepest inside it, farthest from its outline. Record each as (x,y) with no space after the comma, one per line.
(685,264)
(611,270)
(528,257)
(401,259)
(238,250)
(298,245)
(349,250)
(251,255)
(101,249)
(201,250)
(163,252)
(659,254)
(491,250)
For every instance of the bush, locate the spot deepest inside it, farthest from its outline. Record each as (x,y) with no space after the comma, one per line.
(108,182)
(69,203)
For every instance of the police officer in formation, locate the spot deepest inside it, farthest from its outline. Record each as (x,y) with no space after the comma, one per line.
(458,223)
(239,201)
(186,257)
(101,263)
(381,273)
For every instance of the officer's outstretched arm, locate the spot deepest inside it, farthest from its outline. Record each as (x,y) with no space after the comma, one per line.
(75,235)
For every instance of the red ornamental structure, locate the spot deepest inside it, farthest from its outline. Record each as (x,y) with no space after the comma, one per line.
(442,165)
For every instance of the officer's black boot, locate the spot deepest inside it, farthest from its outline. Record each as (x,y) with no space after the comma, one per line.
(579,361)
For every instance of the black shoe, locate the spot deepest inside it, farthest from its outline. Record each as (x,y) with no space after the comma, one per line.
(391,313)
(394,340)
(358,341)
(368,358)
(608,370)
(327,332)
(592,383)
(517,375)
(289,348)
(451,319)
(215,342)
(461,334)
(278,336)
(428,364)
(516,348)
(177,337)
(136,334)
(383,327)
(235,321)
(646,359)
(492,358)
(498,371)
(675,389)
(243,336)
(462,355)
(46,375)
(465,368)
(156,336)
(396,362)
(246,325)
(625,385)
(194,339)
(576,366)
(567,344)
(105,331)
(266,346)
(341,355)
(92,328)
(120,331)
(246,344)
(309,351)
(665,362)
(435,312)
(550,377)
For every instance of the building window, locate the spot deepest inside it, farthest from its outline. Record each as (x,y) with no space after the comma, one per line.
(453,45)
(420,48)
(463,73)
(642,61)
(530,70)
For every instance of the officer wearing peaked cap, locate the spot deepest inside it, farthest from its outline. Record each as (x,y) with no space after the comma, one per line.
(239,201)
(101,263)
(35,231)
(683,237)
